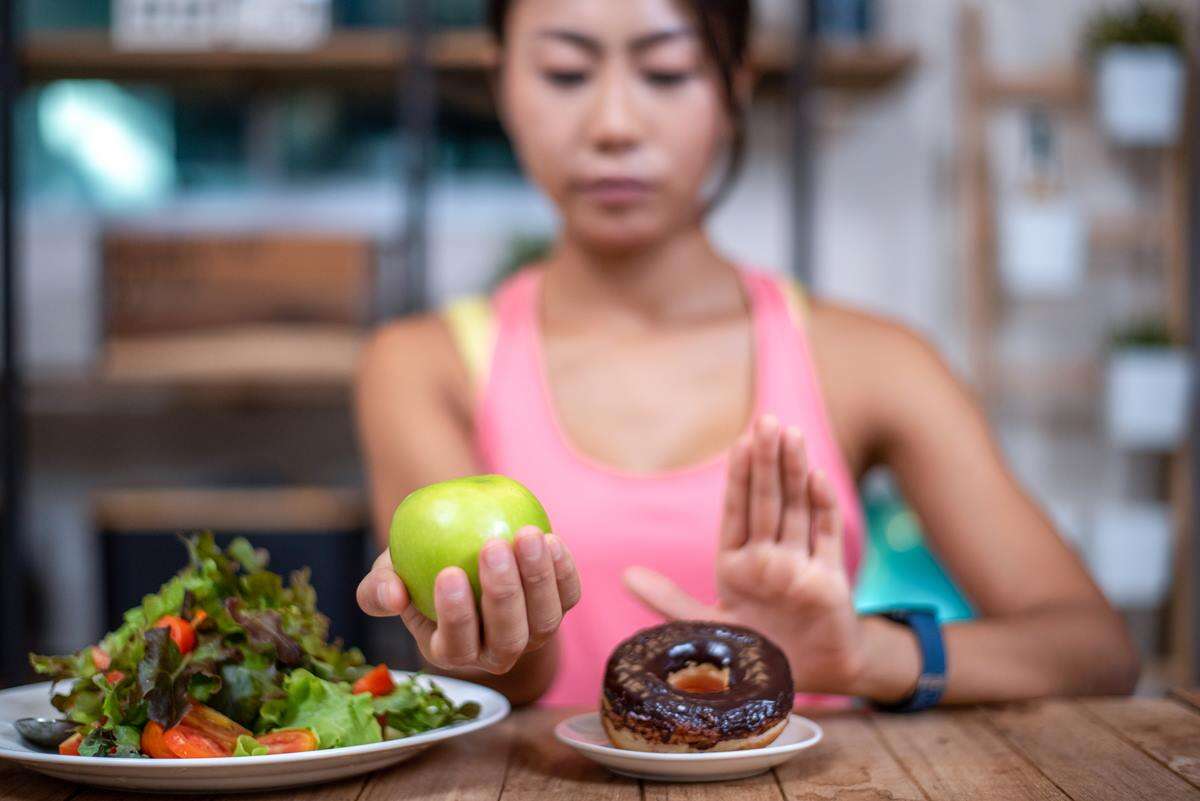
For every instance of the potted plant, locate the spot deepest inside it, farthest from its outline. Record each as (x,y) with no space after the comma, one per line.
(1138,57)
(1043,242)
(1148,388)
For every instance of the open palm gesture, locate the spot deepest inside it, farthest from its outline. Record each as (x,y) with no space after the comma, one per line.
(780,567)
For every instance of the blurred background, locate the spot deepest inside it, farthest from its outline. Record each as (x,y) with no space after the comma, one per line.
(210,203)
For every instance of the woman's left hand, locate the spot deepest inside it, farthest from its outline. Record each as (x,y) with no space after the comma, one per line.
(780,568)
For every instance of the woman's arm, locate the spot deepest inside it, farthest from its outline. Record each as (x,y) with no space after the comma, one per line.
(1045,628)
(414,422)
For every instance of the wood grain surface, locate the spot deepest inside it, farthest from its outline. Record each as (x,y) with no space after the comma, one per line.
(1085,750)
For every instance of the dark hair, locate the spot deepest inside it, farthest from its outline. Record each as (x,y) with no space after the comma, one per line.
(725,32)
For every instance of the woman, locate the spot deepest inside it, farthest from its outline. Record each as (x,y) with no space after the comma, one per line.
(695,429)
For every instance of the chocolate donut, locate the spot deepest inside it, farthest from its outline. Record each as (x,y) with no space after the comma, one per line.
(695,686)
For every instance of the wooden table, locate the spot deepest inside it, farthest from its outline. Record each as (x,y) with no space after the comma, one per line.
(1090,749)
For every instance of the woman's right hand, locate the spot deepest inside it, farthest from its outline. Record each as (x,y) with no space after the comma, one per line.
(527,587)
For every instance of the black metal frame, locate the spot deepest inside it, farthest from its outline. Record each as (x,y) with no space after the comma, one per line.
(12,574)
(418,113)
(803,114)
(1193,236)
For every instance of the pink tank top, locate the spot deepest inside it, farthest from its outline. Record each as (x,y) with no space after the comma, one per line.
(611,519)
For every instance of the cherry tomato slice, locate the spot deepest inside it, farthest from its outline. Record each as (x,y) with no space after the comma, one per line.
(182,632)
(100,659)
(154,744)
(289,741)
(70,746)
(212,724)
(377,682)
(188,743)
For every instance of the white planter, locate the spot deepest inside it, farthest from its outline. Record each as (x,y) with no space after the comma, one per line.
(280,24)
(1130,554)
(1149,397)
(171,25)
(1140,94)
(1043,247)
(182,25)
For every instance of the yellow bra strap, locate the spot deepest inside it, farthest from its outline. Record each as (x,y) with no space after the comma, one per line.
(795,298)
(473,328)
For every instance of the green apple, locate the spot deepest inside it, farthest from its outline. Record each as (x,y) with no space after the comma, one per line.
(446,525)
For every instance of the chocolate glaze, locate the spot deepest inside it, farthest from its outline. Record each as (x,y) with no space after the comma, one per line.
(637,695)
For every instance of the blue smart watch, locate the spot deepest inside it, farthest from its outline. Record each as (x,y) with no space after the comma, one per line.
(932,682)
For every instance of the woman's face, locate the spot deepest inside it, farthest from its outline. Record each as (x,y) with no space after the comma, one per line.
(616,113)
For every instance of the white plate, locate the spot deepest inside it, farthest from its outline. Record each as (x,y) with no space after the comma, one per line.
(586,735)
(231,773)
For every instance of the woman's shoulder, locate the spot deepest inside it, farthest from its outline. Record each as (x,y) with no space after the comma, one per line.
(413,355)
(412,336)
(844,332)
(879,375)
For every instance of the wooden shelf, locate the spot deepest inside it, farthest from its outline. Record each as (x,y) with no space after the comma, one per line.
(864,67)
(371,59)
(348,56)
(290,509)
(1062,87)
(1159,226)
(276,355)
(266,365)
(846,67)
(90,395)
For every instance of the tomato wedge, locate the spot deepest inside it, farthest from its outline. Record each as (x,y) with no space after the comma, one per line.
(70,746)
(188,743)
(182,632)
(214,725)
(377,682)
(100,659)
(289,741)
(203,732)
(114,676)
(154,744)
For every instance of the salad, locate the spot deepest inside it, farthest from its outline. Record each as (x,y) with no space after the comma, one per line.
(226,660)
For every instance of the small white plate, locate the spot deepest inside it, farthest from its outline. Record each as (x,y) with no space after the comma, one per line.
(586,735)
(232,773)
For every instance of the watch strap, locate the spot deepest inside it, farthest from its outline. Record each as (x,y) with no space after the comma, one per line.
(932,682)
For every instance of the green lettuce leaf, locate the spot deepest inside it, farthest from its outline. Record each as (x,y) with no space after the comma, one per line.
(307,626)
(244,688)
(158,678)
(264,627)
(84,704)
(125,646)
(415,706)
(63,667)
(249,558)
(118,741)
(331,710)
(248,746)
(122,703)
